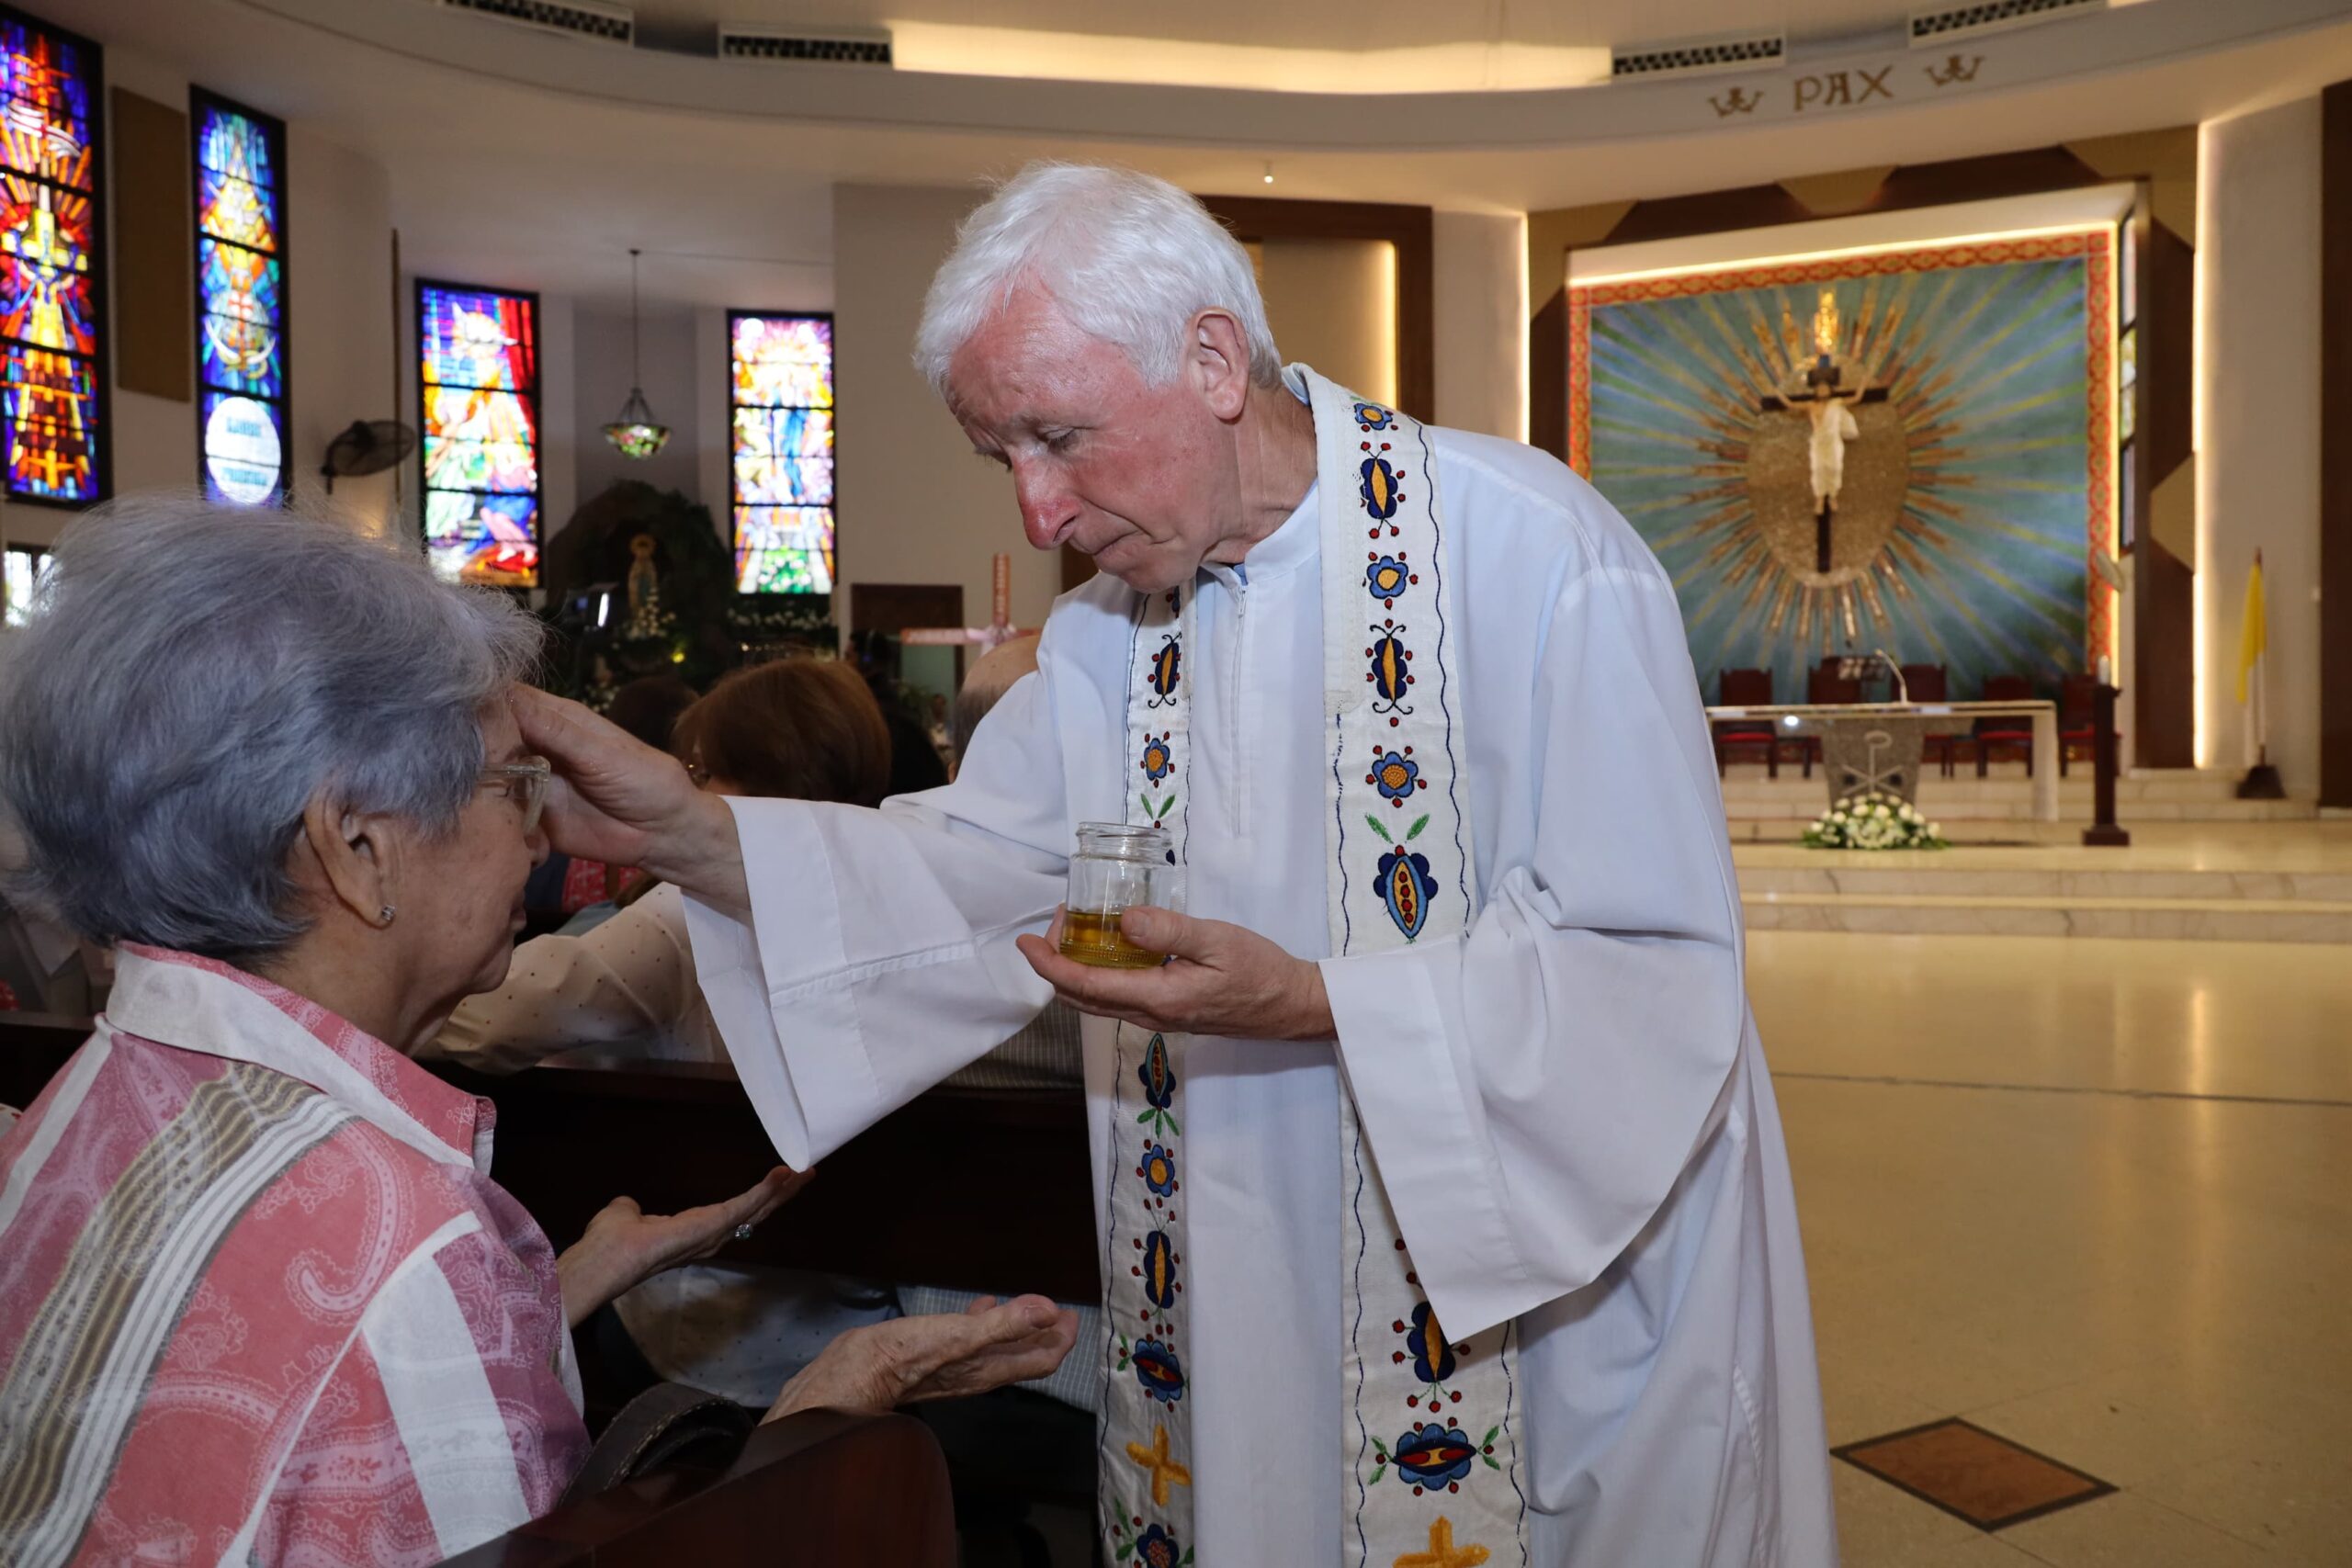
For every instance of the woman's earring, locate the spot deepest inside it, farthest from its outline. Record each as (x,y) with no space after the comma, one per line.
(384,915)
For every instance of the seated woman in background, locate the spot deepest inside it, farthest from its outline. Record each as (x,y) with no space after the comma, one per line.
(800,728)
(259,1299)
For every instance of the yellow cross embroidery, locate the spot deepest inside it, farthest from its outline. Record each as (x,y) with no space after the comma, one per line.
(1442,1553)
(1165,1469)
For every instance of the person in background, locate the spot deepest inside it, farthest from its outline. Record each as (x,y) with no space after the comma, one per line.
(649,709)
(915,764)
(260,1300)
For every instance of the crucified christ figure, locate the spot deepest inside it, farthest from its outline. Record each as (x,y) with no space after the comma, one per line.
(1831,414)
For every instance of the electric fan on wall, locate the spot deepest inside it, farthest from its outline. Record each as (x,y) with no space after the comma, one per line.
(368,446)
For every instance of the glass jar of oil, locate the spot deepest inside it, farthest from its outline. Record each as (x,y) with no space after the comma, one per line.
(1117,868)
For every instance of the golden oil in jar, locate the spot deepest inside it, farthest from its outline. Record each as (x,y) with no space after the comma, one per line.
(1117,868)
(1091,938)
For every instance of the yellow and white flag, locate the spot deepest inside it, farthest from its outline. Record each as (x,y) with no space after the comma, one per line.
(2252,640)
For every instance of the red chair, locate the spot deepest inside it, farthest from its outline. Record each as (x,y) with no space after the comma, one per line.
(1746,689)
(2077,719)
(1926,683)
(2012,730)
(1824,686)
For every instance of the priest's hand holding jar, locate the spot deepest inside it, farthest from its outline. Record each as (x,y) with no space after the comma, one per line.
(1123,948)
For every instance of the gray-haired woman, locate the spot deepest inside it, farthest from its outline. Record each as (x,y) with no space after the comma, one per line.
(258,1296)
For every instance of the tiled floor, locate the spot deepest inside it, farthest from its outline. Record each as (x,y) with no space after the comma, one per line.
(2096,1197)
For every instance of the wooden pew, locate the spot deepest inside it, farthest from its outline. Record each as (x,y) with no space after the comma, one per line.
(33,1045)
(983,1189)
(812,1491)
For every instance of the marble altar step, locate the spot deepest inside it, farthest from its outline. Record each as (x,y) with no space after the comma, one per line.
(2177,920)
(2182,795)
(2286,882)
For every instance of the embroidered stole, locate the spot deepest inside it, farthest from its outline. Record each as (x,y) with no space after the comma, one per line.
(1430,1466)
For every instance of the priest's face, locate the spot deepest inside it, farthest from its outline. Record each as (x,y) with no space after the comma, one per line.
(1143,478)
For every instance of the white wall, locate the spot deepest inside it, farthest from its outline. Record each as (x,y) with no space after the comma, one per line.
(344,354)
(2257,427)
(339,334)
(1332,303)
(1480,281)
(714,427)
(600,342)
(916,506)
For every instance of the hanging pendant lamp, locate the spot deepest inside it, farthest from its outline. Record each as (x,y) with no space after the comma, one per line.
(635,433)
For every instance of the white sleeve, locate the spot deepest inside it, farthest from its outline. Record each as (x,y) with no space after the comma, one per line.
(1533,1088)
(880,955)
(630,978)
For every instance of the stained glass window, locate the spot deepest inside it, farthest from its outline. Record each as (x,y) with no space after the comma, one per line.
(479,378)
(782,379)
(24,564)
(51,253)
(241,292)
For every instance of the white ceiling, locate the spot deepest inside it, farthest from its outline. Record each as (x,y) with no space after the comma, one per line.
(1314,23)
(541,160)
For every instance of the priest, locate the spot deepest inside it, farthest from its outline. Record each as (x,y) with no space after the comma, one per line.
(1445,1214)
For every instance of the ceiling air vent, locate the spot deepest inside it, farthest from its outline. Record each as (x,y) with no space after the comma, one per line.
(1698,57)
(580,19)
(839,46)
(1930,28)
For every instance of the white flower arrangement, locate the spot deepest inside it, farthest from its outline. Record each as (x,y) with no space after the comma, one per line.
(1873,820)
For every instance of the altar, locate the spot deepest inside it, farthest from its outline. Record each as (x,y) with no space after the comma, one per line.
(1877,745)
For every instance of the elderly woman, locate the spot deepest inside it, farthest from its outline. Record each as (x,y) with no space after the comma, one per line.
(258,1296)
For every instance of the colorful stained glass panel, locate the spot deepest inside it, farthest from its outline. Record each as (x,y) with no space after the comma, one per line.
(245,448)
(49,403)
(478,441)
(241,265)
(487,539)
(479,338)
(769,431)
(236,181)
(243,312)
(479,377)
(784,361)
(764,481)
(46,245)
(782,459)
(51,256)
(45,103)
(784,549)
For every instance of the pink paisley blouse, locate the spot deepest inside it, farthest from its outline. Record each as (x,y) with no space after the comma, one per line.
(260,1300)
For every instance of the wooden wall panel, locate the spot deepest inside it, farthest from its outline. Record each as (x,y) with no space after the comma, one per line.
(2163,580)
(2335,456)
(154,309)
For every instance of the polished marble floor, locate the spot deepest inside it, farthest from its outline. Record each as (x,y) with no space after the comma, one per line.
(2094,1196)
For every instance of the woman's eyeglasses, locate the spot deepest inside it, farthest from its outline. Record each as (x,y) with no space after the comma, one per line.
(525,784)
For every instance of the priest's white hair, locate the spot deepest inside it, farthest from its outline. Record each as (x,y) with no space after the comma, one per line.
(1129,258)
(192,675)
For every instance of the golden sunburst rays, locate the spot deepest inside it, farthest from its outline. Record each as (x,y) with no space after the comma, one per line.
(1960,378)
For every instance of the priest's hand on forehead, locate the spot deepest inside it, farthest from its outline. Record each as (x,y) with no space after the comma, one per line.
(1220,979)
(617,800)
